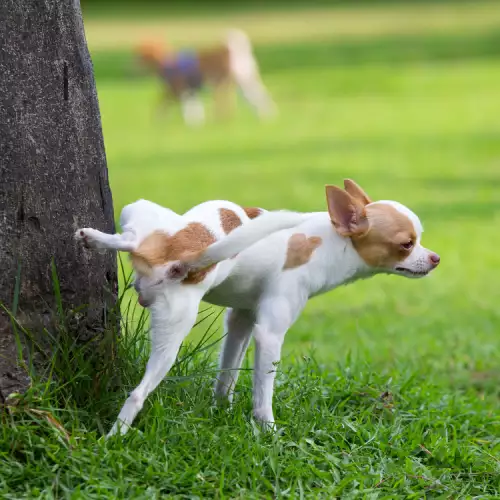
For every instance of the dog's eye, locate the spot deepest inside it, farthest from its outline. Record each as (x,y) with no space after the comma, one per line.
(408,245)
(159,282)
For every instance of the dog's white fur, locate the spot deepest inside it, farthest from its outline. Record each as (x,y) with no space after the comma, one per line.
(245,72)
(174,305)
(265,298)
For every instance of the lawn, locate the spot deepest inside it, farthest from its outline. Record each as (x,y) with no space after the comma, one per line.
(388,388)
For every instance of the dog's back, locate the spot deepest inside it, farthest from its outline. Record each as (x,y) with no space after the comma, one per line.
(143,217)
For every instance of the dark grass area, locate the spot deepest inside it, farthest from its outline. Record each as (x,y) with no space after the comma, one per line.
(345,431)
(138,9)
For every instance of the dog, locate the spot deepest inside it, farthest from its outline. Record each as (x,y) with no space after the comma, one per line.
(176,260)
(265,281)
(185,73)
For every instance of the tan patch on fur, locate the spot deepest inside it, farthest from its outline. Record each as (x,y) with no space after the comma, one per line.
(215,67)
(159,248)
(140,265)
(229,220)
(252,212)
(194,277)
(300,250)
(388,229)
(214,63)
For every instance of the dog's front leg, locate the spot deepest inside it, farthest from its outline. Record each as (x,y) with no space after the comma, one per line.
(192,109)
(170,323)
(275,316)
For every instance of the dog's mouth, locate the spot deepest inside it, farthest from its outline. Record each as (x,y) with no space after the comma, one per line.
(409,272)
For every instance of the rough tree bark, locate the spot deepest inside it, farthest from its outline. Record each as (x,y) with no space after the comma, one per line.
(53,174)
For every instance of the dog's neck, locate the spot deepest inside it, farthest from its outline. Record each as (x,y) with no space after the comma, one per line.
(336,262)
(165,309)
(170,306)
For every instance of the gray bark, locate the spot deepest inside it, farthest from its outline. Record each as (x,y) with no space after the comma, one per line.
(53,175)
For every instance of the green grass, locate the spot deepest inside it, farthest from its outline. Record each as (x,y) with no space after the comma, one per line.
(388,388)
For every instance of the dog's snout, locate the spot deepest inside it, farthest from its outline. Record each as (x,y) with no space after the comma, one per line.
(435,259)
(136,286)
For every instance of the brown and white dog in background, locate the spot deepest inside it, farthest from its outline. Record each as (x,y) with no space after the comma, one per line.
(221,68)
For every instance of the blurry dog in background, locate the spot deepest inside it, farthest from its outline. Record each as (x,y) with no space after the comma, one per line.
(185,73)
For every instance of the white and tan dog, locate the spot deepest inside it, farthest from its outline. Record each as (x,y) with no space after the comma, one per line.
(179,260)
(223,67)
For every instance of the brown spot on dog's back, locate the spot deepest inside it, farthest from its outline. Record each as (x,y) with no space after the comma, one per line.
(229,220)
(381,246)
(159,248)
(300,249)
(214,63)
(252,212)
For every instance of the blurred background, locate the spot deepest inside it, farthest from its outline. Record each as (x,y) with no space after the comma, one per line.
(401,96)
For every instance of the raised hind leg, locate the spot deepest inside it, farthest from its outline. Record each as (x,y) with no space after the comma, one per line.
(92,238)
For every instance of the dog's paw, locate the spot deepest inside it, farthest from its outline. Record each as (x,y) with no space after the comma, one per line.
(121,429)
(88,237)
(264,417)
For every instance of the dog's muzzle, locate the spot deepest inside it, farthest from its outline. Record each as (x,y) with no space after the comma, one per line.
(142,301)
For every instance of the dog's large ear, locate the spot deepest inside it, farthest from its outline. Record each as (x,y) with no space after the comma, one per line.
(177,271)
(153,250)
(347,213)
(140,264)
(356,192)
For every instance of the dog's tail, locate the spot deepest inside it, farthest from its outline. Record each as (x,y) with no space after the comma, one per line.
(245,236)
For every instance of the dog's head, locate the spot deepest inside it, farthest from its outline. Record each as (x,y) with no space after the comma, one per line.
(153,53)
(385,234)
(153,269)
(152,280)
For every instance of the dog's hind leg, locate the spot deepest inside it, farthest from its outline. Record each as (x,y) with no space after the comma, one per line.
(224,98)
(92,238)
(170,323)
(257,95)
(239,326)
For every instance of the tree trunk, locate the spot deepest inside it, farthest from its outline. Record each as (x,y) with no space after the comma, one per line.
(53,176)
